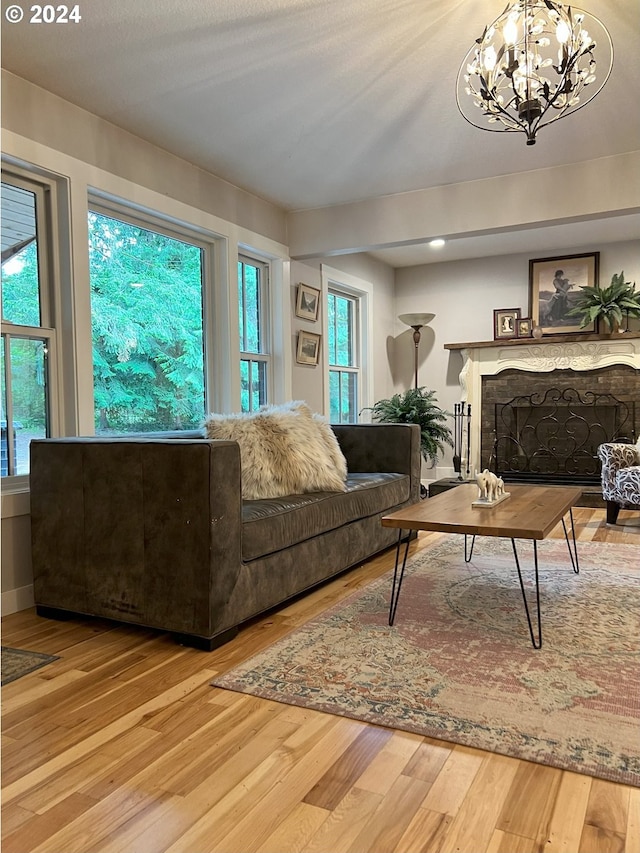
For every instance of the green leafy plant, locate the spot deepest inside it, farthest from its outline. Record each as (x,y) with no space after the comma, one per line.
(417,406)
(608,303)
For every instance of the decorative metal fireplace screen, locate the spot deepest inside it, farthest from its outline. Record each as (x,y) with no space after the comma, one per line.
(554,437)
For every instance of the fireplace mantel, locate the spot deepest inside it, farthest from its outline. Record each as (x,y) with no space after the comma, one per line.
(549,339)
(551,352)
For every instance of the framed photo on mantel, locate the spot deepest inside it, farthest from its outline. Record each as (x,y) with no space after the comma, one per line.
(554,287)
(505,323)
(524,327)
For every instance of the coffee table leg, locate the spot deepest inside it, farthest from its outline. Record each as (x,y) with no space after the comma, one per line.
(467,559)
(573,554)
(536,644)
(395,592)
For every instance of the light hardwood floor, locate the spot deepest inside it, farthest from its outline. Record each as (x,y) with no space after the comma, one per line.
(122,745)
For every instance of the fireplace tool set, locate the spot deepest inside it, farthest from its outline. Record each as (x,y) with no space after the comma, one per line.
(461,438)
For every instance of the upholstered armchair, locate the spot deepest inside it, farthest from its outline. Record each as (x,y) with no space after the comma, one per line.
(620,478)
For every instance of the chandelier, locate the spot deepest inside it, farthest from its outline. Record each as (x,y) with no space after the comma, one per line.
(532,66)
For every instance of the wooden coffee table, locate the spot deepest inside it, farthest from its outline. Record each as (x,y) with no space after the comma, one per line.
(530,513)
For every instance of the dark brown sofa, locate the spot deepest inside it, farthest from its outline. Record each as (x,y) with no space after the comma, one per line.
(153,530)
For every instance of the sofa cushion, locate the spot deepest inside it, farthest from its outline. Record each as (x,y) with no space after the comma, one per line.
(271,525)
(284,450)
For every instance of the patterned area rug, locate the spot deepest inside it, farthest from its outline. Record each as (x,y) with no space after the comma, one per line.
(458,664)
(18,662)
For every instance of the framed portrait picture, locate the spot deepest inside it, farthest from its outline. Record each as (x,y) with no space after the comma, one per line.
(524,327)
(505,323)
(554,287)
(307,302)
(308,348)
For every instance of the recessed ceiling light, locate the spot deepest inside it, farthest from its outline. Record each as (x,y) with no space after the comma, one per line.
(437,244)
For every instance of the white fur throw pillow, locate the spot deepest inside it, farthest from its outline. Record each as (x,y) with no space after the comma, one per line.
(638,451)
(284,450)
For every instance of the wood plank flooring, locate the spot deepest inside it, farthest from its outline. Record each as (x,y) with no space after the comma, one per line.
(122,746)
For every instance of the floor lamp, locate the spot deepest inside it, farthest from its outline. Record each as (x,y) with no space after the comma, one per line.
(416,321)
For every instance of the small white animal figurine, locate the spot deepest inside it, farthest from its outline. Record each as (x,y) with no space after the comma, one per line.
(489,486)
(492,485)
(482,486)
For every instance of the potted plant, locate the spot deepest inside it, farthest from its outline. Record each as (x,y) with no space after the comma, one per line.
(608,303)
(417,406)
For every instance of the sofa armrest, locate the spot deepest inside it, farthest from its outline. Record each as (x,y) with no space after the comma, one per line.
(138,529)
(384,448)
(614,456)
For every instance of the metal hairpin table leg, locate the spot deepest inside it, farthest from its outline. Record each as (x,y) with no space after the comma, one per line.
(573,554)
(536,644)
(395,592)
(467,559)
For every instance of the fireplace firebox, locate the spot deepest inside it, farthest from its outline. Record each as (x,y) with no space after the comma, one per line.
(550,432)
(554,437)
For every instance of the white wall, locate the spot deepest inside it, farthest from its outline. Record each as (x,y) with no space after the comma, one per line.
(462,295)
(544,197)
(40,116)
(17,577)
(308,381)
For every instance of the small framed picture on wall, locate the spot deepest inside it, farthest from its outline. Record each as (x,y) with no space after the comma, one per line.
(505,323)
(307,302)
(308,348)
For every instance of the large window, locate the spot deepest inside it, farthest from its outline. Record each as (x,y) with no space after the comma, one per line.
(28,337)
(254,333)
(342,318)
(147,326)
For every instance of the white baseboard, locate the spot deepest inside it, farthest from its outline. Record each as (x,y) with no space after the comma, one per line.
(17,599)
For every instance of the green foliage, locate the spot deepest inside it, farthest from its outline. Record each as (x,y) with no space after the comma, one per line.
(146,314)
(21,305)
(20,295)
(417,406)
(608,303)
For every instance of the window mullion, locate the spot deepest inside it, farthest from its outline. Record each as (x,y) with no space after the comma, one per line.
(11,457)
(255,343)
(243,308)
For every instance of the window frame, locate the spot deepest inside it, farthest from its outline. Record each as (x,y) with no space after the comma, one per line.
(265,354)
(47,211)
(361,292)
(352,369)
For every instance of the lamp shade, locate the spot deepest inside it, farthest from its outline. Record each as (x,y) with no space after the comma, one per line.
(414,320)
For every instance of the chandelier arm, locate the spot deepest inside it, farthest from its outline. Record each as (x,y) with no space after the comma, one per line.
(567,75)
(513,123)
(500,108)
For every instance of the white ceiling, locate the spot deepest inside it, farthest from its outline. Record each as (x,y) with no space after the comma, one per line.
(310,103)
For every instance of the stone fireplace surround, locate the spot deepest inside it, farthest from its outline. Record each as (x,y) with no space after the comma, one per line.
(553,355)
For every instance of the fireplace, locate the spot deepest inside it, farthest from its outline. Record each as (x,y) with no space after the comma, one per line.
(552,435)
(541,408)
